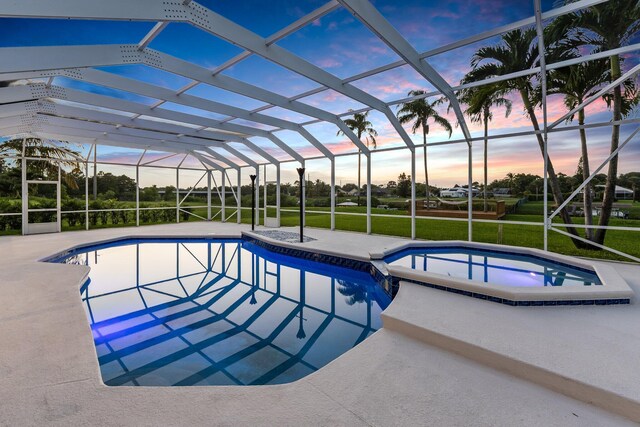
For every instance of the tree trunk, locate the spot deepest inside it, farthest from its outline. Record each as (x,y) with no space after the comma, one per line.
(486,143)
(587,199)
(612,173)
(553,179)
(426,170)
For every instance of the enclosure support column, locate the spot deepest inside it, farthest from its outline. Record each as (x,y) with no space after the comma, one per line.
(223,201)
(25,192)
(177,195)
(369,158)
(209,195)
(278,194)
(413,194)
(239,196)
(253,201)
(543,84)
(264,194)
(301,182)
(59,199)
(333,193)
(86,194)
(303,215)
(257,195)
(470,194)
(95,171)
(137,195)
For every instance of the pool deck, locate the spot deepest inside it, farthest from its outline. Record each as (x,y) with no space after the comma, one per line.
(441,358)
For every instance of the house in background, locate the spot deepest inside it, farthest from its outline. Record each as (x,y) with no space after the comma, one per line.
(621,192)
(502,192)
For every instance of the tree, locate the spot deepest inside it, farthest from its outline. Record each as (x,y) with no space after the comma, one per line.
(403,188)
(37,148)
(518,50)
(361,126)
(421,112)
(605,26)
(479,101)
(578,83)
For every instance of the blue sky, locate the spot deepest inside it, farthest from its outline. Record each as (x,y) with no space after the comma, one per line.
(341,45)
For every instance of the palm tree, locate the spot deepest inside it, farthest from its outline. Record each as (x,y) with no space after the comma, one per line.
(479,101)
(36,148)
(355,292)
(361,126)
(518,50)
(577,83)
(420,112)
(605,26)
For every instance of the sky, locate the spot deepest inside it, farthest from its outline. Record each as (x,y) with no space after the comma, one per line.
(342,46)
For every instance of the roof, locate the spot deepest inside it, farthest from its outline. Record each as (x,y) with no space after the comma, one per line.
(619,189)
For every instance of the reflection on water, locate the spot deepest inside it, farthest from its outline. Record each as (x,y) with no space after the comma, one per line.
(220,312)
(493,267)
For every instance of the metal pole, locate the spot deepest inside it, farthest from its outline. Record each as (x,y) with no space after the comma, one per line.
(25,191)
(95,171)
(257,194)
(59,200)
(264,194)
(278,194)
(543,83)
(86,194)
(223,201)
(253,201)
(333,193)
(470,195)
(239,196)
(177,195)
(301,182)
(209,195)
(413,194)
(137,195)
(369,158)
(304,197)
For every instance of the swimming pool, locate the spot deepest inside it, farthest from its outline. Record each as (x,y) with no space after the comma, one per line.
(219,312)
(504,274)
(501,268)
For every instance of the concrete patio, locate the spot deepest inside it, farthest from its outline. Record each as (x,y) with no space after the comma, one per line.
(441,358)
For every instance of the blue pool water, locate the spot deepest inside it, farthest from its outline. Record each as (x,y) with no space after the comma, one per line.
(493,267)
(219,312)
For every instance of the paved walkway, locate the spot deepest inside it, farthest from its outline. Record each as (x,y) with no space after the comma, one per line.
(50,374)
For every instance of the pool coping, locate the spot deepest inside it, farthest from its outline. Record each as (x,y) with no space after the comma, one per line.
(614,289)
(69,250)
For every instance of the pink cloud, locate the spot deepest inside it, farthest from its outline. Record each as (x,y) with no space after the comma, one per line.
(328,63)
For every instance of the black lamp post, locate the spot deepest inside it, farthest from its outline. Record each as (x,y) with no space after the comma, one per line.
(253,201)
(301,181)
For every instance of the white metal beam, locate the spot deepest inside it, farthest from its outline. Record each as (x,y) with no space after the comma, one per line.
(577,5)
(79,58)
(39,91)
(152,34)
(223,28)
(378,24)
(289,29)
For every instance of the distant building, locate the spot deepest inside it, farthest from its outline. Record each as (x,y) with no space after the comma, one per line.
(621,192)
(501,192)
(458,192)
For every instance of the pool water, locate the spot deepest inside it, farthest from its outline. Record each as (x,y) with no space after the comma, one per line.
(220,312)
(486,266)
